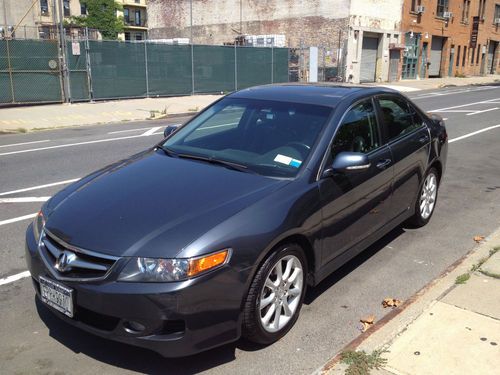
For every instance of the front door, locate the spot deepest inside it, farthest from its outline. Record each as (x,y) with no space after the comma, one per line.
(368,59)
(436,53)
(356,204)
(409,141)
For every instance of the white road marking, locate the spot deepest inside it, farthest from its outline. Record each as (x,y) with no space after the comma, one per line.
(128,130)
(151,131)
(485,110)
(24,199)
(451,92)
(74,144)
(474,133)
(445,109)
(18,276)
(24,143)
(39,187)
(16,219)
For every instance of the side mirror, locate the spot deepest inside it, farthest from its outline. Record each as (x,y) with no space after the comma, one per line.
(348,162)
(170,129)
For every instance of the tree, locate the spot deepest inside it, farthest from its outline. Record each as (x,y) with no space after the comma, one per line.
(102,16)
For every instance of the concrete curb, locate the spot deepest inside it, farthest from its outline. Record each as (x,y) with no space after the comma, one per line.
(387,329)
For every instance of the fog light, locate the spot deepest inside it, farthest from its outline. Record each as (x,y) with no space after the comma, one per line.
(133,327)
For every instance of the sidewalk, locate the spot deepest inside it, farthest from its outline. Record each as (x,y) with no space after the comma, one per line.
(409,85)
(452,326)
(30,118)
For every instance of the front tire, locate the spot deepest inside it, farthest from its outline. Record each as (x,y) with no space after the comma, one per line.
(275,296)
(426,200)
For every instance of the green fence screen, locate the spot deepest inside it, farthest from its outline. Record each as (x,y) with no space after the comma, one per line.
(118,70)
(29,71)
(169,69)
(78,78)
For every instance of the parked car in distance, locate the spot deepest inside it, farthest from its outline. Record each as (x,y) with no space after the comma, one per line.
(216,232)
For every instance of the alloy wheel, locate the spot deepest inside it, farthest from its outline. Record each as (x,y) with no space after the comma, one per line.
(281,293)
(428,196)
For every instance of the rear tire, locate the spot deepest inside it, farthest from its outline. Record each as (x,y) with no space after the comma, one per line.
(275,296)
(426,200)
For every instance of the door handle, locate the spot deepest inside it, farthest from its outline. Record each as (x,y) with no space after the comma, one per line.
(423,139)
(382,164)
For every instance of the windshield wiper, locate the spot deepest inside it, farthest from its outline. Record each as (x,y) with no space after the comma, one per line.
(167,151)
(212,160)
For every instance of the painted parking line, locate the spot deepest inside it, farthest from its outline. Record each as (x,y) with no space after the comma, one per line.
(151,131)
(16,219)
(451,92)
(24,143)
(474,133)
(129,130)
(18,276)
(450,109)
(74,144)
(485,110)
(39,187)
(24,199)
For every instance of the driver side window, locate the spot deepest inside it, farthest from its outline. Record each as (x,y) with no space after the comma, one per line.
(358,131)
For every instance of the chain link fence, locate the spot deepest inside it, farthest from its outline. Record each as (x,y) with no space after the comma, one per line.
(34,71)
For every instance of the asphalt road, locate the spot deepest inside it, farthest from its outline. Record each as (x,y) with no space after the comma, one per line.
(33,341)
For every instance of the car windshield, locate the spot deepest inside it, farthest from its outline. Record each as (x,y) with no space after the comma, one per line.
(270,138)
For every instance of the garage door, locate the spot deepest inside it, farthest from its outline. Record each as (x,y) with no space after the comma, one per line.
(435,60)
(368,59)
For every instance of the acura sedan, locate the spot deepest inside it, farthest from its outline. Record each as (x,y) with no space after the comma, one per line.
(215,233)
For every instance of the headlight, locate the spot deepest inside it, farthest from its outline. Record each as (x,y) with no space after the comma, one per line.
(38,225)
(164,270)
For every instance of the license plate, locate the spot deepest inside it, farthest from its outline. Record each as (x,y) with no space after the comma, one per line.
(56,295)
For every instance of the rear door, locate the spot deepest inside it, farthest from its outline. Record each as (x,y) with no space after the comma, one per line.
(409,141)
(356,204)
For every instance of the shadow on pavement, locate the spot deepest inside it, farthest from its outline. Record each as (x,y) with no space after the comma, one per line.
(354,263)
(141,360)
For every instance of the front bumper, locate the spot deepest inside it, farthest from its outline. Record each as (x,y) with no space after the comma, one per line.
(180,318)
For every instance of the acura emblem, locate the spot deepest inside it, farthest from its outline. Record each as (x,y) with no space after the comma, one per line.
(63,262)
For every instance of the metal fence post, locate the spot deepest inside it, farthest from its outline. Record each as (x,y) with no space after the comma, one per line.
(192,68)
(10,72)
(272,63)
(88,65)
(235,68)
(146,64)
(63,51)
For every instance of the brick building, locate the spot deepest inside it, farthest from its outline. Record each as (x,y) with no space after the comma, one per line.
(356,32)
(450,38)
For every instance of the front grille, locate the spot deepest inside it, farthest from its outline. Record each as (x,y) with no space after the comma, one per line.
(68,262)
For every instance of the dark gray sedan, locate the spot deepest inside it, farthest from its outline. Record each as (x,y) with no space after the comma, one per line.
(215,233)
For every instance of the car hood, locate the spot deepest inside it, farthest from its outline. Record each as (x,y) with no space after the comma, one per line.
(152,205)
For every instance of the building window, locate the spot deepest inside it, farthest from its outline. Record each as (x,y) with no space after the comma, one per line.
(473,52)
(138,18)
(127,35)
(480,11)
(478,51)
(442,6)
(414,4)
(138,36)
(83,9)
(44,7)
(458,57)
(137,1)
(126,15)
(66,8)
(497,13)
(464,56)
(465,11)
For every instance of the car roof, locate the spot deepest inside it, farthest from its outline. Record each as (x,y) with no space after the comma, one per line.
(325,94)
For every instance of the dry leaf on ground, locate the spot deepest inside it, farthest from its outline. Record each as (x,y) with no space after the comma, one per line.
(391,302)
(367,322)
(478,238)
